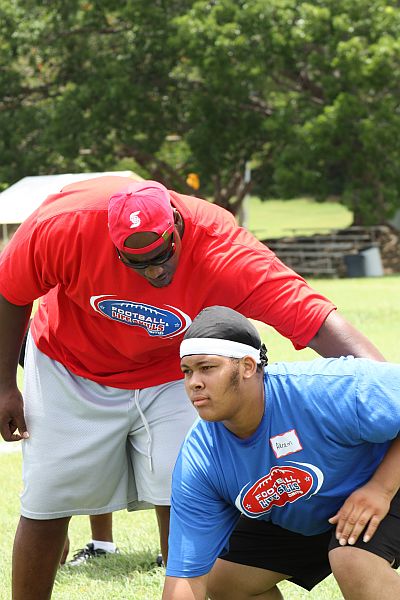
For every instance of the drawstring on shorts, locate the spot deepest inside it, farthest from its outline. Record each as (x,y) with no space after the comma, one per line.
(147,428)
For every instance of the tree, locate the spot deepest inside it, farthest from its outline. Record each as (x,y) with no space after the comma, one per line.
(345,56)
(307,93)
(96,78)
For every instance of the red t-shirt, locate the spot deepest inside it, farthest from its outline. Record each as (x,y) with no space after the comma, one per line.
(105,322)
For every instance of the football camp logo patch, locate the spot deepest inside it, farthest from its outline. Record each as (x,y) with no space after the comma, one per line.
(282,485)
(161,322)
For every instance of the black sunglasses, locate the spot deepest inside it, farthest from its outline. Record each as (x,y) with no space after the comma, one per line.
(154,262)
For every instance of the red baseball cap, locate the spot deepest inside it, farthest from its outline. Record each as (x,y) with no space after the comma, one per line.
(142,206)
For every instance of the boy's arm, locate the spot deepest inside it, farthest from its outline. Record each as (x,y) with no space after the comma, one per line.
(369,504)
(179,588)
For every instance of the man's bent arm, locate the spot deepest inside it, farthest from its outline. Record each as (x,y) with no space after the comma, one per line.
(180,588)
(13,322)
(337,337)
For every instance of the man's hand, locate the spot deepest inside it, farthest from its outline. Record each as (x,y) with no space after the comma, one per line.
(12,416)
(365,507)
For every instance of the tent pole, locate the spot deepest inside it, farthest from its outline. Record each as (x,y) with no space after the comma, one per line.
(5,233)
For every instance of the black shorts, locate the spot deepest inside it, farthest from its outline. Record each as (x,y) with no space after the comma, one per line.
(305,558)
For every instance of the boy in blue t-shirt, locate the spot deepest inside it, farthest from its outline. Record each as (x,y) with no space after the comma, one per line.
(280,457)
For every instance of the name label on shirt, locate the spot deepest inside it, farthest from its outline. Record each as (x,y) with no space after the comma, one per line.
(285,443)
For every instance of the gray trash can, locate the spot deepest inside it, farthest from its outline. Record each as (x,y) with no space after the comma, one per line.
(354,265)
(372,261)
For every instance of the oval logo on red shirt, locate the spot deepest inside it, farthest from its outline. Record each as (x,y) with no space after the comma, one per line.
(158,322)
(282,485)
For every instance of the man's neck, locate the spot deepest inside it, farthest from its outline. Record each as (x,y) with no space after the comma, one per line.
(180,224)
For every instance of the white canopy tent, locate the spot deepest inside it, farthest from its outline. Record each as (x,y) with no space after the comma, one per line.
(19,200)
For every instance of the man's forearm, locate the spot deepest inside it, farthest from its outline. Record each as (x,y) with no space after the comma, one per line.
(13,322)
(337,337)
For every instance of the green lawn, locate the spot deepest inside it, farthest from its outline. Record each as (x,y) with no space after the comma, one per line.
(277,218)
(370,304)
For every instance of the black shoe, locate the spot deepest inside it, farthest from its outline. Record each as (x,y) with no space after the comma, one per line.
(88,553)
(159,560)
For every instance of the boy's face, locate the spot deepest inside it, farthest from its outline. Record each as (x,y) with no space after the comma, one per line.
(213,384)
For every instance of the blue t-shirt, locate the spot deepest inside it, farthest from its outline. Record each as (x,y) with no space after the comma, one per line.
(326,427)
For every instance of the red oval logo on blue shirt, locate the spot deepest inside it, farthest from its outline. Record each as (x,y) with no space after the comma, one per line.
(281,486)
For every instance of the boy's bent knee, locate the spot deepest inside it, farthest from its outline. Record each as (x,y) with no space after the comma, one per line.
(229,580)
(359,573)
(348,561)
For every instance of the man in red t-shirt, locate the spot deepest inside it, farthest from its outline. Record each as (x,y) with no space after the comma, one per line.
(121,269)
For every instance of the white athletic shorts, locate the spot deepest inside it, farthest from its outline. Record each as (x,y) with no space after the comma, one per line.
(95,449)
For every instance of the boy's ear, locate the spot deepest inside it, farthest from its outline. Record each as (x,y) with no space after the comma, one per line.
(249,366)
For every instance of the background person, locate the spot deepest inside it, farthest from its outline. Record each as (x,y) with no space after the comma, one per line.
(296,449)
(121,268)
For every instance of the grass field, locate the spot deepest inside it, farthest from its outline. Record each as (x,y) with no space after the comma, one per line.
(277,218)
(370,304)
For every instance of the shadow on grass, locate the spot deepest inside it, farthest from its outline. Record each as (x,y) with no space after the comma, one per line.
(126,564)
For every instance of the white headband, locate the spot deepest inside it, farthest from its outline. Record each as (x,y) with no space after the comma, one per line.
(218,347)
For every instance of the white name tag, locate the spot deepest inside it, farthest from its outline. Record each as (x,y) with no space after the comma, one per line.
(285,443)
